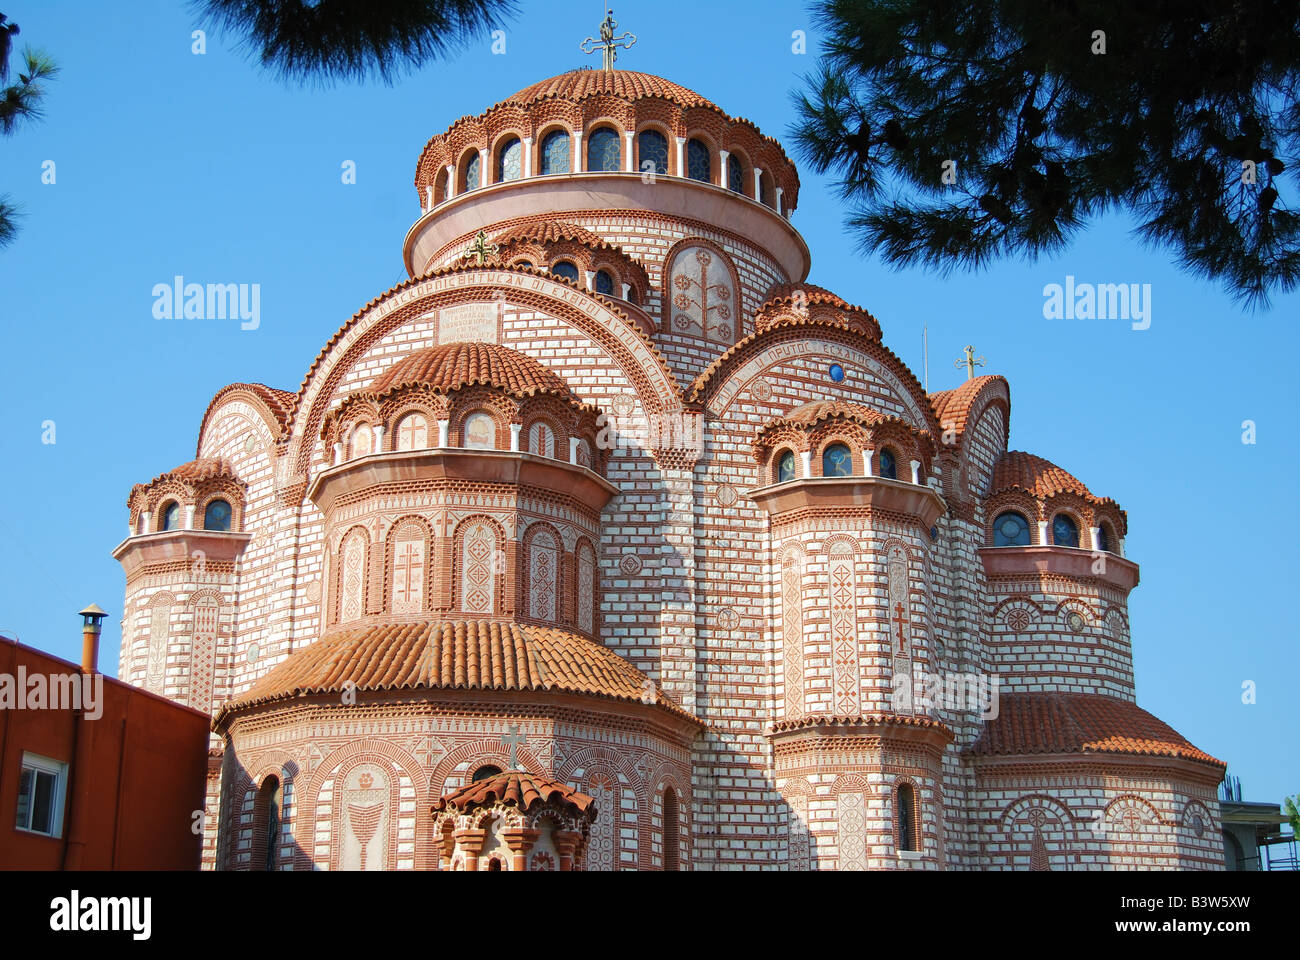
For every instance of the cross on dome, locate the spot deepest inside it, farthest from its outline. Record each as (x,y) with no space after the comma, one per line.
(608,43)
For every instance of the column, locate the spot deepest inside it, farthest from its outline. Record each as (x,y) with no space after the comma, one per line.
(579,158)
(1095,533)
(723,176)
(590,276)
(527,170)
(515,430)
(916,471)
(758,183)
(520,841)
(627,290)
(338,453)
(428,196)
(378,431)
(471,842)
(1042,533)
(628,166)
(444,432)
(565,842)
(482,166)
(867,454)
(573,450)
(780,191)
(805,462)
(681,156)
(451,181)
(145,515)
(189,516)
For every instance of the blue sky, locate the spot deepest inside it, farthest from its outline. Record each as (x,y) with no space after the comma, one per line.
(172,163)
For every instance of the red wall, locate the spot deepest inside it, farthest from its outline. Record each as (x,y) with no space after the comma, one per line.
(146,763)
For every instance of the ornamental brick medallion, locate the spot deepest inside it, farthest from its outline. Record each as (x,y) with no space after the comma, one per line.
(761,390)
(1075,621)
(727,619)
(630,565)
(250,444)
(622,404)
(726,495)
(253,653)
(1018,620)
(313,592)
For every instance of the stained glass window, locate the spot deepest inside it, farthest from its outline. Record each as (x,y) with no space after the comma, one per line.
(837,461)
(472,179)
(602,151)
(557,154)
(654,150)
(888,464)
(171,516)
(216,516)
(699,165)
(785,467)
(510,160)
(1010,530)
(604,283)
(565,270)
(1065,532)
(735,174)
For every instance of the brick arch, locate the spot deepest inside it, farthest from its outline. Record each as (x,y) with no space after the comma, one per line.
(851,783)
(600,760)
(918,803)
(651,378)
(255,396)
(1017,501)
(475,754)
(666,294)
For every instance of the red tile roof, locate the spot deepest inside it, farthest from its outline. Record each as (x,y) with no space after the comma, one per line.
(581,84)
(1031,724)
(1017,470)
(820,410)
(516,788)
(785,293)
(551,231)
(954,406)
(866,719)
(455,365)
(454,655)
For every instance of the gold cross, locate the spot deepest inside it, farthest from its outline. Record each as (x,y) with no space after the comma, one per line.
(480,249)
(970,361)
(608,41)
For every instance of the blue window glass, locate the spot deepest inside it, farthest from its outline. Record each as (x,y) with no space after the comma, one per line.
(1103,539)
(765,190)
(566,271)
(735,174)
(1010,529)
(604,283)
(510,160)
(785,467)
(699,165)
(472,179)
(837,461)
(557,154)
(171,518)
(653,146)
(216,516)
(888,464)
(1065,532)
(602,151)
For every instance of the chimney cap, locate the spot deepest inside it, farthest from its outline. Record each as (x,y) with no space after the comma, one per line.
(92,611)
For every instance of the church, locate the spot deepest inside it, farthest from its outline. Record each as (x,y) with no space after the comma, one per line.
(606,542)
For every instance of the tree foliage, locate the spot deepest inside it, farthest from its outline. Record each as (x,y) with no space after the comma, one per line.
(1182,112)
(19,102)
(331,40)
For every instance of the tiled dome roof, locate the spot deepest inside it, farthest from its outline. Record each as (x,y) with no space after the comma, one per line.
(820,410)
(1038,477)
(515,788)
(1043,723)
(785,292)
(550,231)
(582,83)
(455,365)
(196,471)
(952,408)
(453,655)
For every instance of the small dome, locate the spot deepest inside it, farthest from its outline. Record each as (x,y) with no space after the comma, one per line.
(820,410)
(583,83)
(516,788)
(1039,478)
(455,365)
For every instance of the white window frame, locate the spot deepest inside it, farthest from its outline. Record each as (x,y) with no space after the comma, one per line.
(38,764)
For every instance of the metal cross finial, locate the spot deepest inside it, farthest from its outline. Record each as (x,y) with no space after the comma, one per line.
(512,738)
(608,41)
(480,249)
(970,362)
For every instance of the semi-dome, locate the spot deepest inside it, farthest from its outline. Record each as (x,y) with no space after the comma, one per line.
(452,366)
(1017,470)
(586,82)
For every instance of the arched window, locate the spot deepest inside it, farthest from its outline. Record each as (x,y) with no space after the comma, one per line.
(765,190)
(699,162)
(440,187)
(471,177)
(785,467)
(266,825)
(557,154)
(604,283)
(653,147)
(363,440)
(216,516)
(671,831)
(1065,532)
(1103,539)
(494,865)
(541,440)
(171,517)
(735,174)
(510,160)
(888,464)
(485,773)
(632,295)
(905,813)
(480,432)
(602,151)
(1010,529)
(565,271)
(837,461)
(413,432)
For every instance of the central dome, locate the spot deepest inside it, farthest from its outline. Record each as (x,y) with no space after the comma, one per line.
(586,82)
(455,365)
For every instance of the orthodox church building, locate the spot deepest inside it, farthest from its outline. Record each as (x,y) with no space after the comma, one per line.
(605,541)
